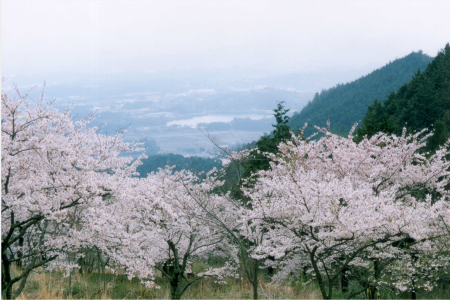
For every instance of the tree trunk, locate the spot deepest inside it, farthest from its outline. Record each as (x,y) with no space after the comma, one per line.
(104,278)
(373,288)
(175,294)
(305,268)
(318,275)
(99,271)
(413,291)
(344,280)
(255,280)
(8,293)
(255,289)
(6,278)
(175,287)
(70,283)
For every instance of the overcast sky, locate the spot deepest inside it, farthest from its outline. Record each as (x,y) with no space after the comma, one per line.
(148,36)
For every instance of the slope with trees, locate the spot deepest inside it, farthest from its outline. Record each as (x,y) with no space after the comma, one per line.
(346,104)
(424,102)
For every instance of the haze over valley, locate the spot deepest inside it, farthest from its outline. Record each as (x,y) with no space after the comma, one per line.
(164,70)
(177,109)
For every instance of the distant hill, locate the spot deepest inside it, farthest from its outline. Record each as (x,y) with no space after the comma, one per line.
(193,163)
(422,103)
(346,104)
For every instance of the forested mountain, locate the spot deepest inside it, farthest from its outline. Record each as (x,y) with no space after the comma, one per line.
(423,102)
(346,104)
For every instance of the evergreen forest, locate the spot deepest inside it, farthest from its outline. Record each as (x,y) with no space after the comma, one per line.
(347,103)
(424,102)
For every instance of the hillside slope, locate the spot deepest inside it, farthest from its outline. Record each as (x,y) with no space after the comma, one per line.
(346,104)
(422,103)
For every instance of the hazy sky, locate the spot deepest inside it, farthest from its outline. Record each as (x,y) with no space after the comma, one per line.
(115,36)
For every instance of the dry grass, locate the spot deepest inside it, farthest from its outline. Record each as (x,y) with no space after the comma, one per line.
(42,286)
(56,286)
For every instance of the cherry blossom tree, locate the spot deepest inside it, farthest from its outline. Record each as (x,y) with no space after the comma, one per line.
(161,223)
(53,169)
(331,203)
(245,233)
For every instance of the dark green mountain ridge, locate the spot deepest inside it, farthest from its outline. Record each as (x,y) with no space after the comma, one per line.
(347,103)
(424,102)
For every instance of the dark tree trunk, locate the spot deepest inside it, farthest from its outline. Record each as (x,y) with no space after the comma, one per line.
(6,278)
(70,283)
(255,280)
(255,289)
(99,261)
(175,271)
(305,268)
(176,287)
(413,291)
(271,270)
(373,288)
(318,275)
(344,280)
